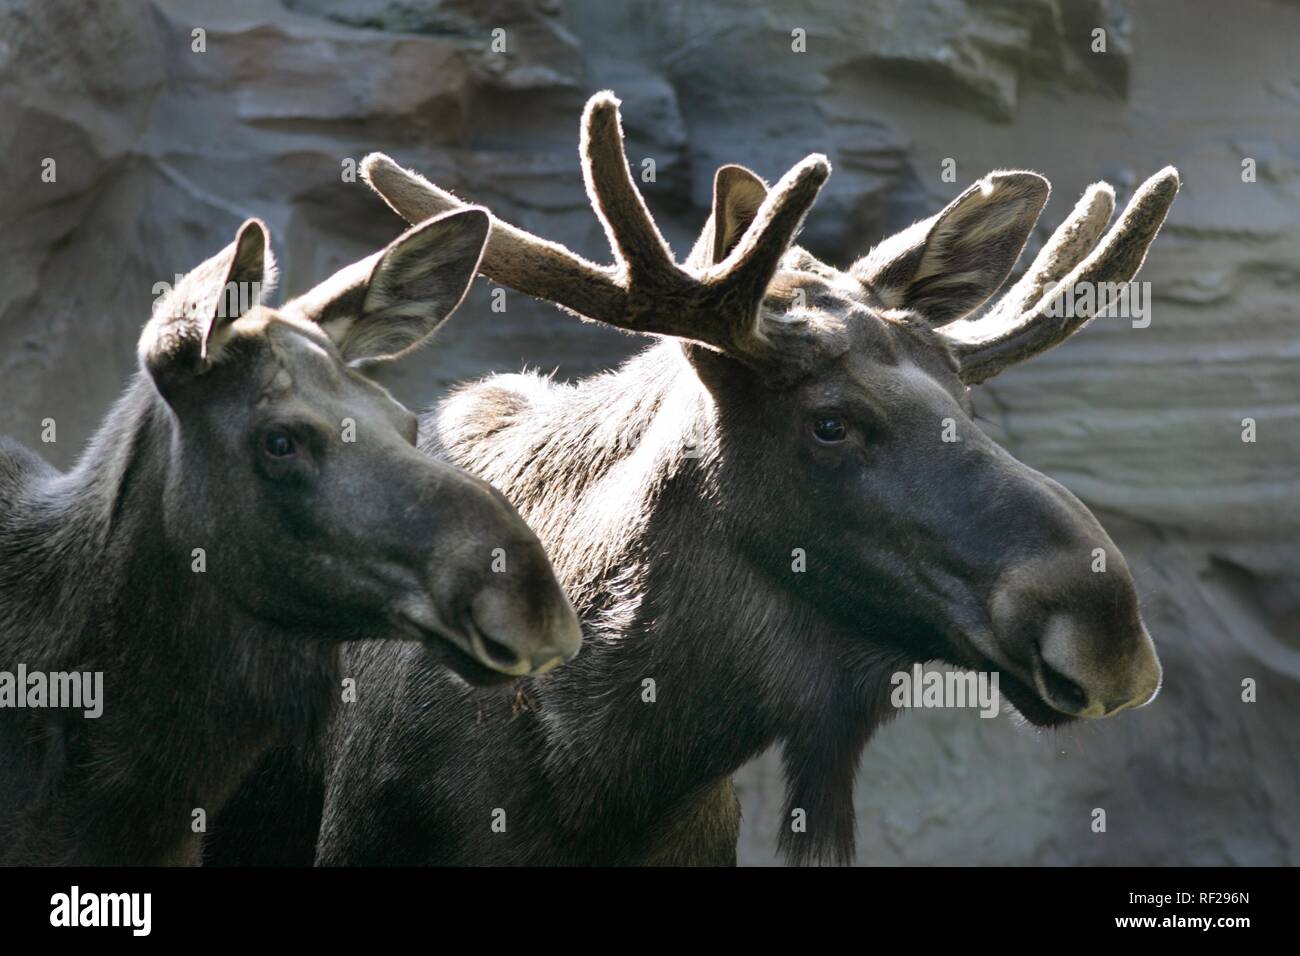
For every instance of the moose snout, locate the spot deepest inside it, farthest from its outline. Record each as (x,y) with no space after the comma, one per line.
(487,602)
(1091,675)
(517,618)
(503,607)
(1076,634)
(516,639)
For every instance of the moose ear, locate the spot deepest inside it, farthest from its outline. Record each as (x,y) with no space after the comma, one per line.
(189,321)
(737,196)
(948,265)
(389,303)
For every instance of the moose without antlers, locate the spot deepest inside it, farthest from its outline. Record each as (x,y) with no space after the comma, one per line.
(220,536)
(787,408)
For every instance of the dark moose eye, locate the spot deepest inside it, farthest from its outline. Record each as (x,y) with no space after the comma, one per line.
(830,431)
(278,443)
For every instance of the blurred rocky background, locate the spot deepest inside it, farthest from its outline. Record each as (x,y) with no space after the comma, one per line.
(161,149)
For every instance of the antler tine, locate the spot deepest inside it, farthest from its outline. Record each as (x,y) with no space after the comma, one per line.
(1072,241)
(755,259)
(618,204)
(513,257)
(1116,259)
(395,187)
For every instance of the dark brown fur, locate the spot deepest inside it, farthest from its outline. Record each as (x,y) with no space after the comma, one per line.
(205,670)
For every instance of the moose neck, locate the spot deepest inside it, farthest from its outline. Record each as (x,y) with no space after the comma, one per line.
(119,595)
(698,657)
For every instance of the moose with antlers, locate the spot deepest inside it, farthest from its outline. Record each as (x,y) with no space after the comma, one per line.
(784,408)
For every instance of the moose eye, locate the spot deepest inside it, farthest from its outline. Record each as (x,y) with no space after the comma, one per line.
(829,430)
(278,443)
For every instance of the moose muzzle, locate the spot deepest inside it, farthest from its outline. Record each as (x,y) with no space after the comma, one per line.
(1074,634)
(489,604)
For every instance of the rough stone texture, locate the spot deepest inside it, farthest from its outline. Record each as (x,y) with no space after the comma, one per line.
(161,151)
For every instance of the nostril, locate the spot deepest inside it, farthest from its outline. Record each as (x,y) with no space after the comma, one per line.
(500,655)
(1064,692)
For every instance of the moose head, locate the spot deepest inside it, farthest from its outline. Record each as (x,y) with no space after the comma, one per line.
(298,475)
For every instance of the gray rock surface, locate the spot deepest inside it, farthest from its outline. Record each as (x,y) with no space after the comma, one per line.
(161,151)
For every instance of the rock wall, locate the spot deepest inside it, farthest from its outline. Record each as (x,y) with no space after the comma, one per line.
(161,149)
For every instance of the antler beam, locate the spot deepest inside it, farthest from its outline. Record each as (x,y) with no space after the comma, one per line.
(645,290)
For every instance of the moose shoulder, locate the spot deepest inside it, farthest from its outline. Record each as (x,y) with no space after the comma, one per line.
(789,409)
(220,536)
